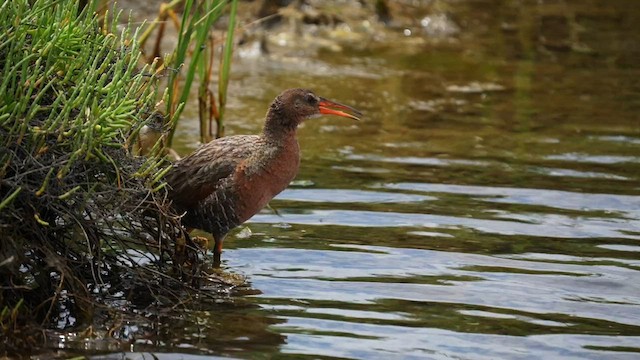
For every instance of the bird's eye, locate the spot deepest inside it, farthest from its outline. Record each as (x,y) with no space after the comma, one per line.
(311,99)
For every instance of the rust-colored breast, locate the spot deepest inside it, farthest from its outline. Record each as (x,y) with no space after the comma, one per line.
(259,179)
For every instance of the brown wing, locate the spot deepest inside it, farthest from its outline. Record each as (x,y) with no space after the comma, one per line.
(198,175)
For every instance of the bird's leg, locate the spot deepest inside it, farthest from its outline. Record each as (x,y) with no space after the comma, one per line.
(217,251)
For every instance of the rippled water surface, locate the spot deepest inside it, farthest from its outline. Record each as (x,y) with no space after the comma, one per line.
(487,206)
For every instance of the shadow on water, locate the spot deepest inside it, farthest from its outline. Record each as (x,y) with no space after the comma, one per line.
(487,206)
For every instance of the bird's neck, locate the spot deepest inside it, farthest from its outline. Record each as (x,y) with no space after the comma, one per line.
(278,128)
(278,135)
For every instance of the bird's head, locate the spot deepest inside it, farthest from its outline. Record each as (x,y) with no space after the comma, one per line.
(293,106)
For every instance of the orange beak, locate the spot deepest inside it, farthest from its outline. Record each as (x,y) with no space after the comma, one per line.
(328,107)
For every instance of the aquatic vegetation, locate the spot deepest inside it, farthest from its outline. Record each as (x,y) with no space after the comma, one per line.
(82,220)
(192,62)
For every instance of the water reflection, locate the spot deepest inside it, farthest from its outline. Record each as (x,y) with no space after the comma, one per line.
(546,197)
(548,226)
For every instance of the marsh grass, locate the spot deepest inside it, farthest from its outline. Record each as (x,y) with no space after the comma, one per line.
(82,221)
(193,60)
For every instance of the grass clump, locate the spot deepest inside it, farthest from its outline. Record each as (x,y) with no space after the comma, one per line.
(193,61)
(81,220)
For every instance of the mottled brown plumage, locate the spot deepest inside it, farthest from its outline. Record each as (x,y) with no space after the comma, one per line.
(228,180)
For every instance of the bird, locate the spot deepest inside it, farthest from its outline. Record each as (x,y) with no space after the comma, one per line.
(225,182)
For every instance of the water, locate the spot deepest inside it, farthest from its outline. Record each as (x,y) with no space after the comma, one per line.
(487,206)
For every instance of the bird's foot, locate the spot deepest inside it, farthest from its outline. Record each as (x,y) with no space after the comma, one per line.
(200,241)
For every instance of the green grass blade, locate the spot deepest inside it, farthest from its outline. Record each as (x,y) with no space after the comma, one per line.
(226,67)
